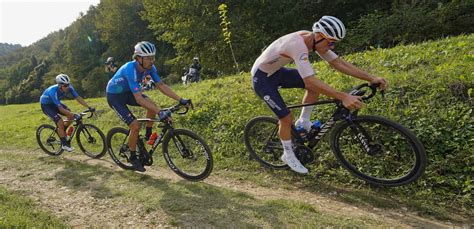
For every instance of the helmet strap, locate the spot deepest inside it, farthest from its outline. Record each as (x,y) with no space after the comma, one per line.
(317,42)
(141,65)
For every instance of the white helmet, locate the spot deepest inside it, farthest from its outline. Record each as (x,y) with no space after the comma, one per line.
(144,48)
(331,27)
(62,79)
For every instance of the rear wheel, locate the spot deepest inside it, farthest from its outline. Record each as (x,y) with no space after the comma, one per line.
(91,141)
(187,154)
(117,143)
(379,151)
(263,143)
(48,140)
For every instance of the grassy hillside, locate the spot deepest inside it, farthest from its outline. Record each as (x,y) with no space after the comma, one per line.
(431,92)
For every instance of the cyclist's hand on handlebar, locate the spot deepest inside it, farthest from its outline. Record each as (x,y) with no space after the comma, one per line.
(186,102)
(352,102)
(164,115)
(382,82)
(92,109)
(77,117)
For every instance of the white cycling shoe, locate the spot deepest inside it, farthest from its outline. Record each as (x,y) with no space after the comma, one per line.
(67,148)
(294,163)
(306,124)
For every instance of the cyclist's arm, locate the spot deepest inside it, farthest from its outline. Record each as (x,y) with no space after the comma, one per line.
(165,89)
(66,112)
(313,84)
(349,69)
(81,101)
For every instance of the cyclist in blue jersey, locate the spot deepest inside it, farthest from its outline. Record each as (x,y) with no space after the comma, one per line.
(124,89)
(52,106)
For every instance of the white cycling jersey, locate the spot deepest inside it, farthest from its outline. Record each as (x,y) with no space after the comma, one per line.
(286,49)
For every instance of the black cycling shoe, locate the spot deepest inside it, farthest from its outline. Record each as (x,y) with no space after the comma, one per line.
(137,164)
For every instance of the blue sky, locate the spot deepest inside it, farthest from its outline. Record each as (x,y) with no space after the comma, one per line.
(24,22)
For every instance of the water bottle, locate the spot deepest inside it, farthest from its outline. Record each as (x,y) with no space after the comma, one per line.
(301,131)
(152,139)
(315,127)
(69,133)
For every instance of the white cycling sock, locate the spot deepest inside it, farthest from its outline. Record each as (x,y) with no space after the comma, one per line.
(306,113)
(287,147)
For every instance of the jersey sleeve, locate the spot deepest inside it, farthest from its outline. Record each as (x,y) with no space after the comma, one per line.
(328,56)
(154,74)
(73,92)
(132,79)
(299,53)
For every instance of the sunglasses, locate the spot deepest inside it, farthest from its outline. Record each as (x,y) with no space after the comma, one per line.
(65,85)
(150,58)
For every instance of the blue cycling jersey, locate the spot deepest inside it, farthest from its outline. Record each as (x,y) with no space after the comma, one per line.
(52,95)
(127,78)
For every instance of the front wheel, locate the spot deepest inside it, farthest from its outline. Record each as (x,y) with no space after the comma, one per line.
(91,141)
(117,143)
(379,151)
(187,154)
(48,140)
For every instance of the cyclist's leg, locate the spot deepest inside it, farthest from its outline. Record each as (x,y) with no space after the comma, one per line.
(69,116)
(293,79)
(118,102)
(52,111)
(267,89)
(149,114)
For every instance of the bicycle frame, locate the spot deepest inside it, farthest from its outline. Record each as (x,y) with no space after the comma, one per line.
(340,113)
(77,124)
(165,126)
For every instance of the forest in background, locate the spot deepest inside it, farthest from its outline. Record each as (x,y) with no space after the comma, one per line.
(183,29)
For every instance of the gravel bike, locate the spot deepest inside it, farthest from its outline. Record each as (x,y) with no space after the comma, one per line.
(90,138)
(372,148)
(187,154)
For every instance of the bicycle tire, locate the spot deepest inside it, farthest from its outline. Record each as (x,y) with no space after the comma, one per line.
(52,140)
(117,141)
(400,157)
(94,136)
(196,151)
(263,143)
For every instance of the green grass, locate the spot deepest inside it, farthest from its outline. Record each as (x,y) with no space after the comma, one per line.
(17,211)
(431,93)
(186,204)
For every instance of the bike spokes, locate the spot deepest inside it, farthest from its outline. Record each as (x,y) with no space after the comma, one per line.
(262,141)
(187,154)
(378,151)
(49,140)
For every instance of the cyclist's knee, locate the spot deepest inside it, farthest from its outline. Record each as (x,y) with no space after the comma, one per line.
(287,120)
(60,124)
(134,126)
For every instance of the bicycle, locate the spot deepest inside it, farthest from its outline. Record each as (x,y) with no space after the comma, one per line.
(372,148)
(90,138)
(187,154)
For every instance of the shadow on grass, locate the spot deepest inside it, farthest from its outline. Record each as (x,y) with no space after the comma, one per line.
(359,193)
(186,203)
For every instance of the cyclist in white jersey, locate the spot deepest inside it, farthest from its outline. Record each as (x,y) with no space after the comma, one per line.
(269,73)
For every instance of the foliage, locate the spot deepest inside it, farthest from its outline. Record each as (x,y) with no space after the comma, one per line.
(6,48)
(184,29)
